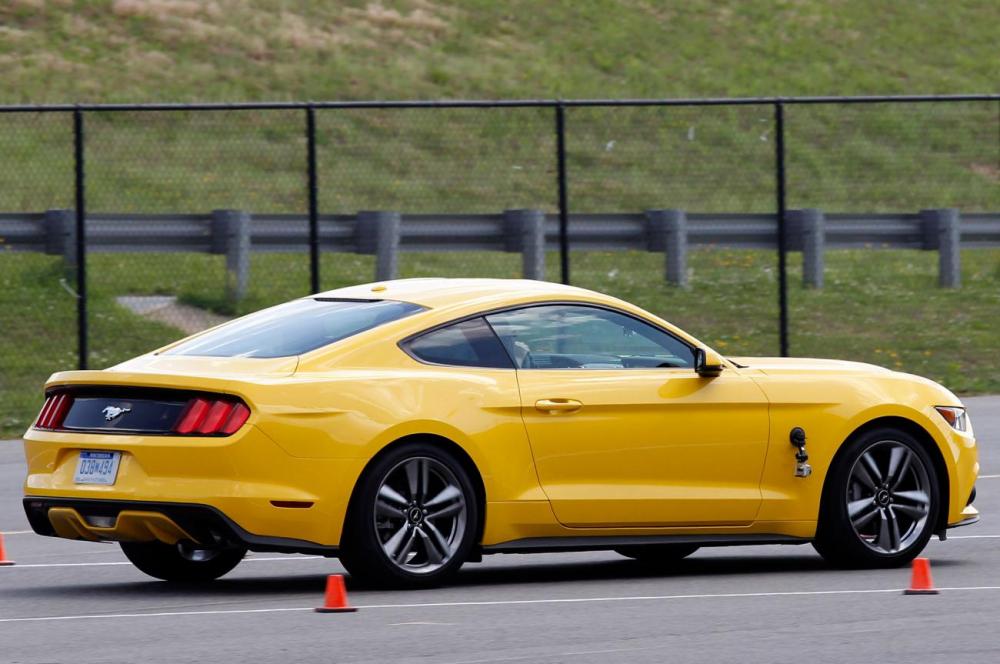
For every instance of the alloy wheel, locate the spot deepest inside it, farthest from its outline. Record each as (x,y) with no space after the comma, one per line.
(888,497)
(420,515)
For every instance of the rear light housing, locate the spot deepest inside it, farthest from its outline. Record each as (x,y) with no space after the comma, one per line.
(141,411)
(212,416)
(54,411)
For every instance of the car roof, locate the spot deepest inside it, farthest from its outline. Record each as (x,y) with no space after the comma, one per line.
(447,299)
(436,293)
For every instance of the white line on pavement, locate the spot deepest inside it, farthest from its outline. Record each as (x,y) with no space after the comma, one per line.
(509,602)
(988,477)
(17,532)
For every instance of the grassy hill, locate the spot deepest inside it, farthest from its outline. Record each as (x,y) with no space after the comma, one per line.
(169,50)
(873,158)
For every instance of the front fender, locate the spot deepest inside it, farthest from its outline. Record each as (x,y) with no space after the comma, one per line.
(835,408)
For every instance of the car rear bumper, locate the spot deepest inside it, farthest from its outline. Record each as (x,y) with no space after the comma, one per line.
(131,521)
(248,479)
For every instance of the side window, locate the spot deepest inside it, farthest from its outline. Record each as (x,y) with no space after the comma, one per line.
(561,336)
(470,343)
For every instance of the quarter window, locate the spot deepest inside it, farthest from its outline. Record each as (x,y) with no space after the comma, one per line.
(562,336)
(470,343)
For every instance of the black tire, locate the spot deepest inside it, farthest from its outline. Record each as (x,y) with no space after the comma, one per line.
(657,554)
(180,563)
(837,539)
(363,546)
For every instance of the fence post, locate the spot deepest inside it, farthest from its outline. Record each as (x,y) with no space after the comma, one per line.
(231,236)
(524,231)
(667,229)
(378,233)
(810,226)
(563,191)
(942,231)
(312,185)
(80,237)
(781,205)
(60,235)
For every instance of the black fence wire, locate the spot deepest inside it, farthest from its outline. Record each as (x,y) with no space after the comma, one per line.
(124,227)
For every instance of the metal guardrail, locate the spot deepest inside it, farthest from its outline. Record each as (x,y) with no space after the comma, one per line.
(384,234)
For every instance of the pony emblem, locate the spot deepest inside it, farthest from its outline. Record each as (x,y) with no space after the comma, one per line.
(111,412)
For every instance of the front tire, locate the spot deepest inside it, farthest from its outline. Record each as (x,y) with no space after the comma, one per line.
(413,521)
(881,502)
(182,562)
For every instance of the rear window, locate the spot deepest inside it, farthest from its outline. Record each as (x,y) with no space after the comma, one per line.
(294,328)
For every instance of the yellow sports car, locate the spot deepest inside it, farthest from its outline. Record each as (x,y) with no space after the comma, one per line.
(410,426)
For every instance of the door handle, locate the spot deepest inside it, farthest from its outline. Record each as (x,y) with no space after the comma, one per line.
(558,405)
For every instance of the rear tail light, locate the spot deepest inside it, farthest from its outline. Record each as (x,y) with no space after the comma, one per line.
(207,416)
(54,411)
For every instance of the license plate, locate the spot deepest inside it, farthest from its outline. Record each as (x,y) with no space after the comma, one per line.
(95,467)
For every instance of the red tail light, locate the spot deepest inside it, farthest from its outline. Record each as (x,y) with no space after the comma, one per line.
(54,411)
(205,416)
(236,419)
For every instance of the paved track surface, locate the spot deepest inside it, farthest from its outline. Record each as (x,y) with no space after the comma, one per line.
(74,602)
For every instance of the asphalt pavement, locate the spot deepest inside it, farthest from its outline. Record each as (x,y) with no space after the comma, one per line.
(70,602)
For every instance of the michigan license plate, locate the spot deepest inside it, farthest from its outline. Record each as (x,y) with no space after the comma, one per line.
(95,467)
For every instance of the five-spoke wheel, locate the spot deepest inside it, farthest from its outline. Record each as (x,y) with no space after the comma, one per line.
(888,496)
(413,520)
(880,502)
(420,514)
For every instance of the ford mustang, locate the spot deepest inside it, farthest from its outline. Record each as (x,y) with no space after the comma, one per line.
(410,426)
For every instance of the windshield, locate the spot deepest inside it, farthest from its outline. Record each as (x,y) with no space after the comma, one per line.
(294,328)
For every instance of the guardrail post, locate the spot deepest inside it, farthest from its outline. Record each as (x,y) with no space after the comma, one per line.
(807,230)
(524,231)
(942,231)
(231,236)
(60,235)
(378,234)
(667,229)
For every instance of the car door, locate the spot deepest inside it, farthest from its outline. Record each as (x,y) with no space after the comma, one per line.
(624,432)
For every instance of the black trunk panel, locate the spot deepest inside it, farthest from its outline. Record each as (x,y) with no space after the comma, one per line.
(123,409)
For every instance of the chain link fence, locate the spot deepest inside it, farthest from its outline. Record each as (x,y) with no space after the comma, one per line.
(906,167)
(38,286)
(196,214)
(445,171)
(704,163)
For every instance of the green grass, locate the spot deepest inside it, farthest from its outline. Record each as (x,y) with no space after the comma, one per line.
(167,50)
(875,158)
(879,306)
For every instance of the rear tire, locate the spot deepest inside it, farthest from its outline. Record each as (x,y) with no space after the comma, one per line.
(880,503)
(658,553)
(181,562)
(413,521)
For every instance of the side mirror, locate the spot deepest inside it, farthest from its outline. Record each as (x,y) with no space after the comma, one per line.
(707,363)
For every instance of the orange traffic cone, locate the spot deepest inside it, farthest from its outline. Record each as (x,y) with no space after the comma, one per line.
(336,596)
(3,554)
(921,582)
